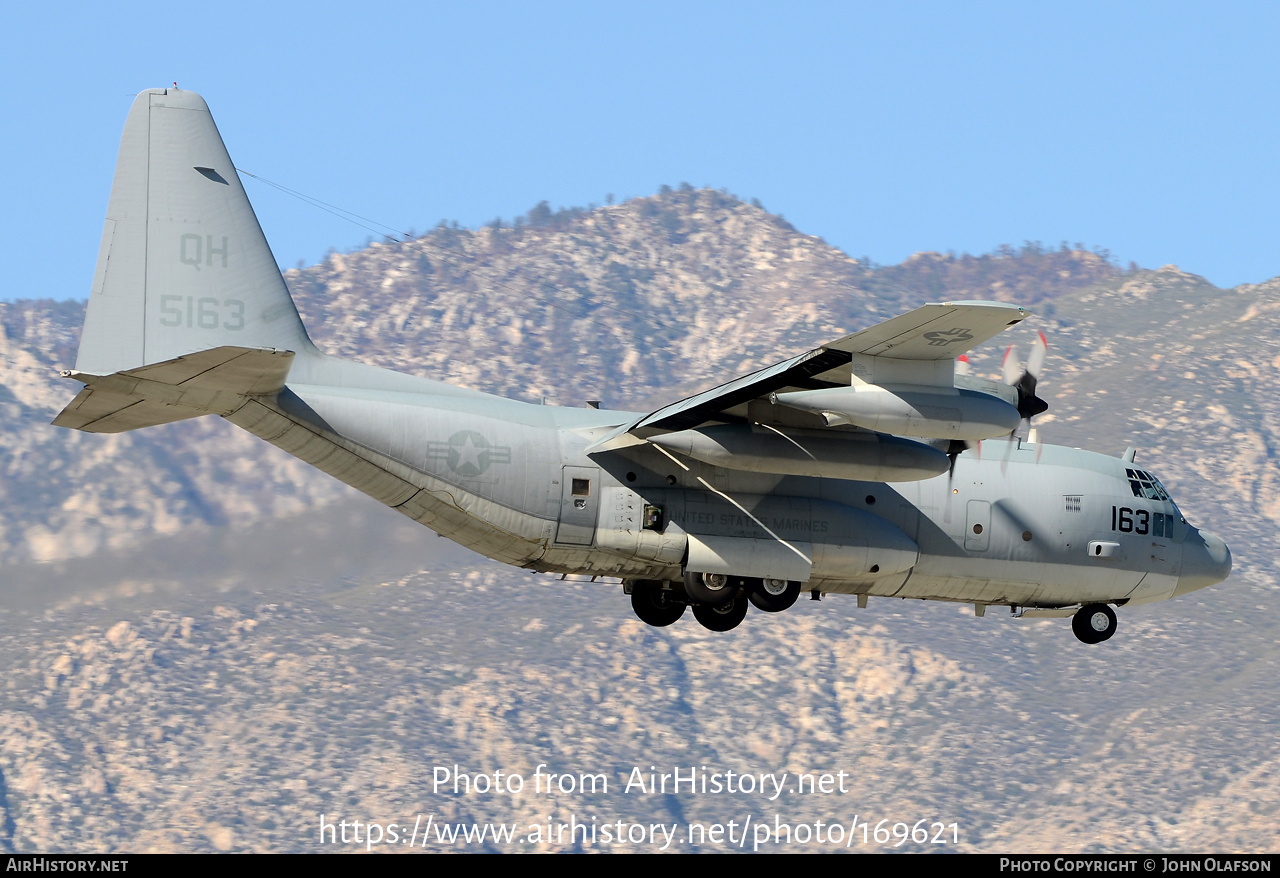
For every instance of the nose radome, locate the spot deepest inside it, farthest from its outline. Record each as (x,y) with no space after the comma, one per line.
(1206,560)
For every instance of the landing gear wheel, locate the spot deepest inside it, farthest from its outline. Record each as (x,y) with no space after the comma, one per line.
(656,606)
(1094,623)
(774,595)
(725,617)
(712,589)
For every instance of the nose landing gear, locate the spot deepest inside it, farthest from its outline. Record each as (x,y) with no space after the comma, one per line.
(1094,623)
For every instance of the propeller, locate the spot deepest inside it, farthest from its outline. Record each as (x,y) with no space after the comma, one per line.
(1023,378)
(1029,405)
(956,447)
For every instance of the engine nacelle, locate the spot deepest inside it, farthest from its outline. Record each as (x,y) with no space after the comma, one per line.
(867,457)
(913,411)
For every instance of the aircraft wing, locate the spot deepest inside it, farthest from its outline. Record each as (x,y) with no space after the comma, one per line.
(939,331)
(932,333)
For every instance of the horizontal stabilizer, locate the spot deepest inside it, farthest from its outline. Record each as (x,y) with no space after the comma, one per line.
(216,381)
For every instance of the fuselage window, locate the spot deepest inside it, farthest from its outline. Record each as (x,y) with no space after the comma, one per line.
(1163,526)
(1145,485)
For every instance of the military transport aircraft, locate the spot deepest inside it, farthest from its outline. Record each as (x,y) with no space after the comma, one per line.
(847,469)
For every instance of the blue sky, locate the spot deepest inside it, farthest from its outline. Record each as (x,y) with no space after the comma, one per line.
(1146,128)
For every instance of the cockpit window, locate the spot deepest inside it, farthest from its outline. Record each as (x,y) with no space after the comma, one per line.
(1145,485)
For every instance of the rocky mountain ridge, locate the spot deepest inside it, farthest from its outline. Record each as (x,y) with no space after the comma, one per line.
(210,646)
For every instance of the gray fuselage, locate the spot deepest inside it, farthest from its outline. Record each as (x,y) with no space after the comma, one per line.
(1014,523)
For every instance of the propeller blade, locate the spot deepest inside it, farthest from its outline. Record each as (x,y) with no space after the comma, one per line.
(1029,405)
(1038,350)
(1010,369)
(1024,380)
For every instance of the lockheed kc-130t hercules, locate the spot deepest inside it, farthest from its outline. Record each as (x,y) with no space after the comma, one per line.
(848,469)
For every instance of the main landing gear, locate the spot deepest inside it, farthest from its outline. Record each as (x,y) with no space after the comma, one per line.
(774,595)
(1094,623)
(719,601)
(655,605)
(724,617)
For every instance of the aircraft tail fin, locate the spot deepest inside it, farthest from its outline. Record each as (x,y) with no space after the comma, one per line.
(183,266)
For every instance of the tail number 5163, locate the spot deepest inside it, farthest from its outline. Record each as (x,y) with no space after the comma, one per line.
(202,312)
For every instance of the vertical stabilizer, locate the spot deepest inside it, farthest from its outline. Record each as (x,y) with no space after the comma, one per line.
(183,265)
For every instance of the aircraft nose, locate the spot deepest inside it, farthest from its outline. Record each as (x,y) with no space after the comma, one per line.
(1205,560)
